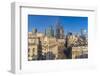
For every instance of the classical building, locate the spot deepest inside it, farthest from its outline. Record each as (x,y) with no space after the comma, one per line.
(41,45)
(79,51)
(50,45)
(46,46)
(79,46)
(71,39)
(32,46)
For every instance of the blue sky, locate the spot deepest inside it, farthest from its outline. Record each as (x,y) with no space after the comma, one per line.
(69,23)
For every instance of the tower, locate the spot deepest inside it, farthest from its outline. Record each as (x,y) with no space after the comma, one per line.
(49,32)
(34,31)
(83,34)
(59,30)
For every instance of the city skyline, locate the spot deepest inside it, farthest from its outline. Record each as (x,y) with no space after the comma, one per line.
(69,23)
(60,37)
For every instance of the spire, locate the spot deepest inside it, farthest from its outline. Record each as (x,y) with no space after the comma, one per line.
(57,22)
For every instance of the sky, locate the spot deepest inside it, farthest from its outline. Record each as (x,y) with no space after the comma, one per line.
(70,23)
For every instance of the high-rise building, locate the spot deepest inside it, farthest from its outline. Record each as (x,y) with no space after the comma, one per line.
(83,34)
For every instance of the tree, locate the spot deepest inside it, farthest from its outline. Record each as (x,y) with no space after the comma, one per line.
(39,49)
(68,50)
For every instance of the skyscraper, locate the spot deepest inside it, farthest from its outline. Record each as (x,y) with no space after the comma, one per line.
(83,34)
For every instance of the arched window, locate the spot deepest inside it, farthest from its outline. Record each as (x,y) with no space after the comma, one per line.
(28,50)
(33,50)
